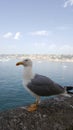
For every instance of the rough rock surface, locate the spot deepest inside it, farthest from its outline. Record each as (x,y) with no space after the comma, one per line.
(52,114)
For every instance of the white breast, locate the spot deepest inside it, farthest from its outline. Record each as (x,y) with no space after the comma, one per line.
(27,76)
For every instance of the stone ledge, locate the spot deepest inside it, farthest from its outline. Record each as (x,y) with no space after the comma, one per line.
(52,114)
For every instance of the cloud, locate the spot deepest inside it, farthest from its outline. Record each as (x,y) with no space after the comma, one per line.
(8,35)
(53,48)
(68,3)
(11,35)
(66,49)
(61,49)
(40,33)
(17,36)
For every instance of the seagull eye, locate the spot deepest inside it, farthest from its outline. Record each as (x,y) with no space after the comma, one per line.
(26,60)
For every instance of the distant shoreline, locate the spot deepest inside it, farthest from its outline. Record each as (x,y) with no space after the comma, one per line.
(48,57)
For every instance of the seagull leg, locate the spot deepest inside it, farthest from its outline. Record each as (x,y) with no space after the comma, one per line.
(34,106)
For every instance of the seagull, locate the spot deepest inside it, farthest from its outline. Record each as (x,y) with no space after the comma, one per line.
(38,85)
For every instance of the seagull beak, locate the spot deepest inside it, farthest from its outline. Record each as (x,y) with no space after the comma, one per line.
(19,63)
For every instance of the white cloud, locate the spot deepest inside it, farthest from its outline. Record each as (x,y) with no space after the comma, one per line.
(66,49)
(11,35)
(61,49)
(68,3)
(8,35)
(40,33)
(53,48)
(17,35)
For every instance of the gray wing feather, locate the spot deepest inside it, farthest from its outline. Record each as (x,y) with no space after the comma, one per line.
(44,86)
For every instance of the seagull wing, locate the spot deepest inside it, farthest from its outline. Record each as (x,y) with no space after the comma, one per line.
(44,86)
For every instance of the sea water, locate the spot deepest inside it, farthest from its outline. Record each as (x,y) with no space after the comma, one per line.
(12,92)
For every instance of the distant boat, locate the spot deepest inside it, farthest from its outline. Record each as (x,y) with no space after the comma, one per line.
(65,66)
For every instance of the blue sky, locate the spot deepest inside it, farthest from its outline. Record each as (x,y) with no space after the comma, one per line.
(36,26)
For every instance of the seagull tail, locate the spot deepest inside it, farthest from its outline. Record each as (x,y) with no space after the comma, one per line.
(67,91)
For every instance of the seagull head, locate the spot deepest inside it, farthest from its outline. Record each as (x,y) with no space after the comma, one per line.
(25,63)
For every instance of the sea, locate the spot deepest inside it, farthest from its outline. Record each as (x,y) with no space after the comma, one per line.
(12,92)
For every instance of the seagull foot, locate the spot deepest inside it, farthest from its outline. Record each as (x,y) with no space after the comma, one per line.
(32,108)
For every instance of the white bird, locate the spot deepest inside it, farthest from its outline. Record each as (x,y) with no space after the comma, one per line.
(39,85)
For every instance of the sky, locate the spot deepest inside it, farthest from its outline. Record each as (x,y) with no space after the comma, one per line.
(36,26)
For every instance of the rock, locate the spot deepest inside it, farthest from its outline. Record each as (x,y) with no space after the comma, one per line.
(52,114)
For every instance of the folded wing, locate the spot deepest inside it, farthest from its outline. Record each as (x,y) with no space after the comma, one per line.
(44,86)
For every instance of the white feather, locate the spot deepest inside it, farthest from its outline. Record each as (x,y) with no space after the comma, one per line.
(27,76)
